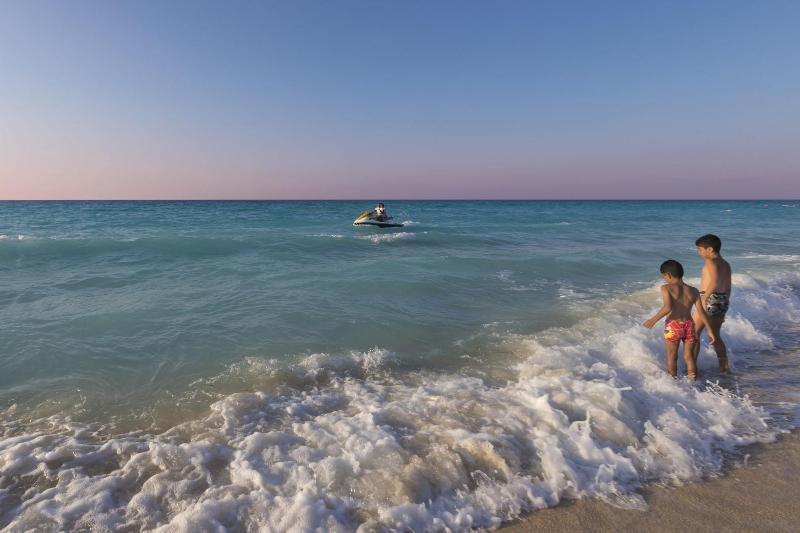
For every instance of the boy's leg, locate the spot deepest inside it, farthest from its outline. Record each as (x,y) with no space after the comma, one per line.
(698,330)
(672,357)
(689,358)
(719,344)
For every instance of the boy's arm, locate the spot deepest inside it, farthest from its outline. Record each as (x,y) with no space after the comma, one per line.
(728,277)
(666,307)
(700,306)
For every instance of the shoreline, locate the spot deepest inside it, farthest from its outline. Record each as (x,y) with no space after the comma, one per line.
(761,495)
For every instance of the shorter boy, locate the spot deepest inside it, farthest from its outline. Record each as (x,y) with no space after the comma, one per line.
(679,299)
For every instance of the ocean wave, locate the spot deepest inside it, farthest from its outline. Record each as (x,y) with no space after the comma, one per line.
(329,235)
(345,441)
(18,237)
(309,371)
(775,258)
(505,275)
(507,278)
(85,246)
(388,237)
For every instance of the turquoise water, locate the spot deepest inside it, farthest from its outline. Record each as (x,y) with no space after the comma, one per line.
(123,321)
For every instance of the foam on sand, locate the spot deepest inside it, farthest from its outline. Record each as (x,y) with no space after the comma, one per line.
(345,441)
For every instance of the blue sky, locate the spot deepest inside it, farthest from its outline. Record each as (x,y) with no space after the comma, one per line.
(399,99)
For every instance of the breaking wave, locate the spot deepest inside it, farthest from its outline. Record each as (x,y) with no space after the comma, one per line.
(349,441)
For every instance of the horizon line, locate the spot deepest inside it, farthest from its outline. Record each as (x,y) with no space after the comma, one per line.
(385,199)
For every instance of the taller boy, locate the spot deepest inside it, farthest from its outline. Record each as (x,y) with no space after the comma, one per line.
(715,293)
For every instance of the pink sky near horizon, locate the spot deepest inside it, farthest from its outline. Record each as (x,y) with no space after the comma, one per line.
(67,171)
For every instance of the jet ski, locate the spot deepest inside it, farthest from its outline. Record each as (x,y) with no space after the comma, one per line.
(369,218)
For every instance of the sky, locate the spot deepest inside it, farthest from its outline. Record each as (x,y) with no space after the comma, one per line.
(399,99)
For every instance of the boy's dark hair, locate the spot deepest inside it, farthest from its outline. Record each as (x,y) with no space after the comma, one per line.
(709,241)
(673,268)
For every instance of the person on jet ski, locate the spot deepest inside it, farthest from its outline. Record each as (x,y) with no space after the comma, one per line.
(380,212)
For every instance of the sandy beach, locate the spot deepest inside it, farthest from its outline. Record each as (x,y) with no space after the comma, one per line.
(762,495)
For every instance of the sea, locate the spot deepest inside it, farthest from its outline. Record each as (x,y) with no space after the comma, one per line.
(267,366)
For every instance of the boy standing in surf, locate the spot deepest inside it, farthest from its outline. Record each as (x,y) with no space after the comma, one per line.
(715,294)
(679,299)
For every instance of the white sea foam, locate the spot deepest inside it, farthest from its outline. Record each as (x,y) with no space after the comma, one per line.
(507,277)
(354,443)
(774,258)
(388,237)
(18,237)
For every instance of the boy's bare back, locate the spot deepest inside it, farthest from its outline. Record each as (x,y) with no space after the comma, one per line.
(682,297)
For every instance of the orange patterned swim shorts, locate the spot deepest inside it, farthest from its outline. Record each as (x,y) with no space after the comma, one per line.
(679,330)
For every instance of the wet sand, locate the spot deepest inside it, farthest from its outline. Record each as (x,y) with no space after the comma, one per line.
(763,495)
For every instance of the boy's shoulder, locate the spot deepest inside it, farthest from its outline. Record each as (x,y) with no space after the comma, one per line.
(716,262)
(670,290)
(692,290)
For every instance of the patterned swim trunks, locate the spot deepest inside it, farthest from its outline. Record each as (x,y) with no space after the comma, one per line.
(717,304)
(679,330)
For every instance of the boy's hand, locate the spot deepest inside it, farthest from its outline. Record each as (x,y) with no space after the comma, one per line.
(649,323)
(711,338)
